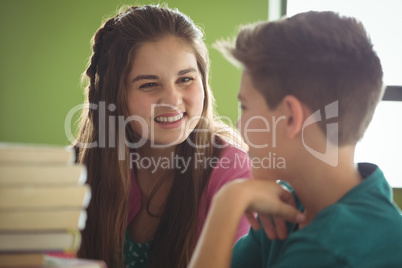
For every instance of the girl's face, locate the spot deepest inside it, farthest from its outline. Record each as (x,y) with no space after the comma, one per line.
(165,95)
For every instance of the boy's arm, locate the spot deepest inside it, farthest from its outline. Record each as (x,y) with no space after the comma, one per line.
(214,247)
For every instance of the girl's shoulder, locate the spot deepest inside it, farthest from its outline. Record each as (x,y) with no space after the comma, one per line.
(232,164)
(232,154)
(233,151)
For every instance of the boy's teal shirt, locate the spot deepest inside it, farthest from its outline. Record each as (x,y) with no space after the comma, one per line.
(362,229)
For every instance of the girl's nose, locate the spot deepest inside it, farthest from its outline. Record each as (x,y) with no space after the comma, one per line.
(172,95)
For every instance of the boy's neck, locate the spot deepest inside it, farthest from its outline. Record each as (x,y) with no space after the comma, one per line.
(320,185)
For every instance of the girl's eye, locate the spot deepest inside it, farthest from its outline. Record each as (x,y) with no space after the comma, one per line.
(147,86)
(242,107)
(186,79)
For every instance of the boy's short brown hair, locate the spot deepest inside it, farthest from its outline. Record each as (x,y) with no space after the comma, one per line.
(318,57)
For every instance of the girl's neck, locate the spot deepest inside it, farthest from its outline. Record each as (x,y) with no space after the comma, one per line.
(151,167)
(149,150)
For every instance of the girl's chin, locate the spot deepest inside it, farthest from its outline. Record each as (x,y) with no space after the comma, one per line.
(166,143)
(164,139)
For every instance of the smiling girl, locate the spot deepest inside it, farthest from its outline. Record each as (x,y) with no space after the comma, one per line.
(150,67)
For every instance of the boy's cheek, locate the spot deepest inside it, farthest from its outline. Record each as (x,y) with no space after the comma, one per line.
(239,125)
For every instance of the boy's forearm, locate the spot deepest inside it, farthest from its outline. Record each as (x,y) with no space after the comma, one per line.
(230,203)
(214,248)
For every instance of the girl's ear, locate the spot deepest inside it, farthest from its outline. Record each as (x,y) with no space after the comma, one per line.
(294,111)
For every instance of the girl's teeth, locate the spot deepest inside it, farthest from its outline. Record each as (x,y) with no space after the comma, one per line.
(169,119)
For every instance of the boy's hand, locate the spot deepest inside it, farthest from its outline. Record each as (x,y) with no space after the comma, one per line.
(273,194)
(274,226)
(266,198)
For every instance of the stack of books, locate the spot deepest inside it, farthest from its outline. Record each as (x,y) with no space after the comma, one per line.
(43,201)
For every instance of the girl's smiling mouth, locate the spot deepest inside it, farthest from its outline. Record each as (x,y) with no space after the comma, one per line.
(169,118)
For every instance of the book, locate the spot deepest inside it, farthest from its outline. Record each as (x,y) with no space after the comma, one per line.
(41,241)
(18,260)
(43,260)
(36,174)
(43,197)
(72,263)
(32,153)
(33,220)
(43,201)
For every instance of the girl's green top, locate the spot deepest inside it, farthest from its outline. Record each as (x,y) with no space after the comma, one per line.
(135,254)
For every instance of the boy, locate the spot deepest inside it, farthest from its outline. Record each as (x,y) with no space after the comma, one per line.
(309,89)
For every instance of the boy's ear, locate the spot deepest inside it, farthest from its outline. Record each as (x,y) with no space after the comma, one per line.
(294,115)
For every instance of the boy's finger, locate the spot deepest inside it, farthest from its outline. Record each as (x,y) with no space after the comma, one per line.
(289,213)
(255,224)
(288,197)
(280,227)
(268,226)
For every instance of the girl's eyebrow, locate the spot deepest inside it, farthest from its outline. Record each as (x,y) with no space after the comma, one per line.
(188,70)
(145,77)
(155,77)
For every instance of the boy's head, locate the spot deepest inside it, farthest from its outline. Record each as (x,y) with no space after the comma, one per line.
(319,58)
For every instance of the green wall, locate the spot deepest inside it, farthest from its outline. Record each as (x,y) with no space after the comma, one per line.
(45,45)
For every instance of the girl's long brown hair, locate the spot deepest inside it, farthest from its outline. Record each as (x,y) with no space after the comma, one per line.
(114,47)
